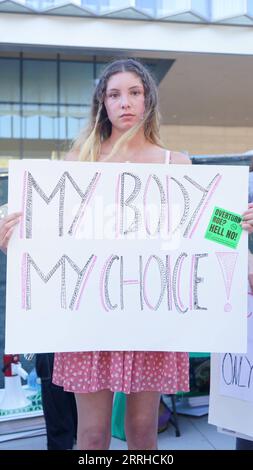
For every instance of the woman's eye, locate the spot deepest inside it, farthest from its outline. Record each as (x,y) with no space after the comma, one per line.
(135,93)
(113,95)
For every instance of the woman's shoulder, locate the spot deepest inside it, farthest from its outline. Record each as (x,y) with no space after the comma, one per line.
(179,158)
(72,156)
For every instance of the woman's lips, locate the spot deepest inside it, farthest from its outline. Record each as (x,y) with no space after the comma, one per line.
(126,116)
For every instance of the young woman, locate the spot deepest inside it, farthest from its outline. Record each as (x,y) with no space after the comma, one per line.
(124,127)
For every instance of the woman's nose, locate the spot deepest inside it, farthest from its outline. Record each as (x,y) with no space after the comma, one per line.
(124,102)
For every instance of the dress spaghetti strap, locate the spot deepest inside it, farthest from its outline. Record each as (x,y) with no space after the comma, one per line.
(167,156)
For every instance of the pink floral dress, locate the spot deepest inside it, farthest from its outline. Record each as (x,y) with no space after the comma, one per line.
(125,371)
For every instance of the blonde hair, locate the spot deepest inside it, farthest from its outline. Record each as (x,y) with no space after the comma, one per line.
(88,143)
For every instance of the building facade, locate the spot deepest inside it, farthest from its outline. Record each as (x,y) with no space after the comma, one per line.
(52,52)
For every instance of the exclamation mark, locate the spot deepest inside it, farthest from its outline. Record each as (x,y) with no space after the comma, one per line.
(227,262)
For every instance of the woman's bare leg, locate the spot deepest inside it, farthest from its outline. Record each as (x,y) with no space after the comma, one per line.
(94,420)
(141,420)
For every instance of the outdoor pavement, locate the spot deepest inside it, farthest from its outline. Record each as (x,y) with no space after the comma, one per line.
(196,434)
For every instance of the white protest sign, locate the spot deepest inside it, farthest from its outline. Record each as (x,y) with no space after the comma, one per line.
(113,256)
(231,393)
(231,414)
(235,434)
(236,370)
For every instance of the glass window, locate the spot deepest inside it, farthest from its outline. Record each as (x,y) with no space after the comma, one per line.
(76,82)
(39,81)
(49,123)
(170,7)
(30,122)
(40,122)
(95,3)
(9,80)
(43,4)
(113,4)
(49,111)
(99,68)
(72,120)
(9,121)
(145,4)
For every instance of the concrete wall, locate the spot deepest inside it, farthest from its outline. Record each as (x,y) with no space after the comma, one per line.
(208,140)
(123,35)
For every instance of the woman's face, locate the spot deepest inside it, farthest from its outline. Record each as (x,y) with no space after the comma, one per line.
(124,100)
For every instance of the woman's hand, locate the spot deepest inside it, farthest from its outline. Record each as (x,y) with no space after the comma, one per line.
(247,219)
(7,226)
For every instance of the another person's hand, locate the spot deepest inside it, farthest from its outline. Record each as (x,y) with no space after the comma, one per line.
(250,270)
(247,219)
(250,278)
(7,226)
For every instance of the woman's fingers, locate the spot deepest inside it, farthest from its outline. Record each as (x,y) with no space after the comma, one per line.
(247,219)
(249,210)
(15,215)
(12,223)
(7,237)
(9,218)
(5,240)
(247,227)
(248,216)
(7,226)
